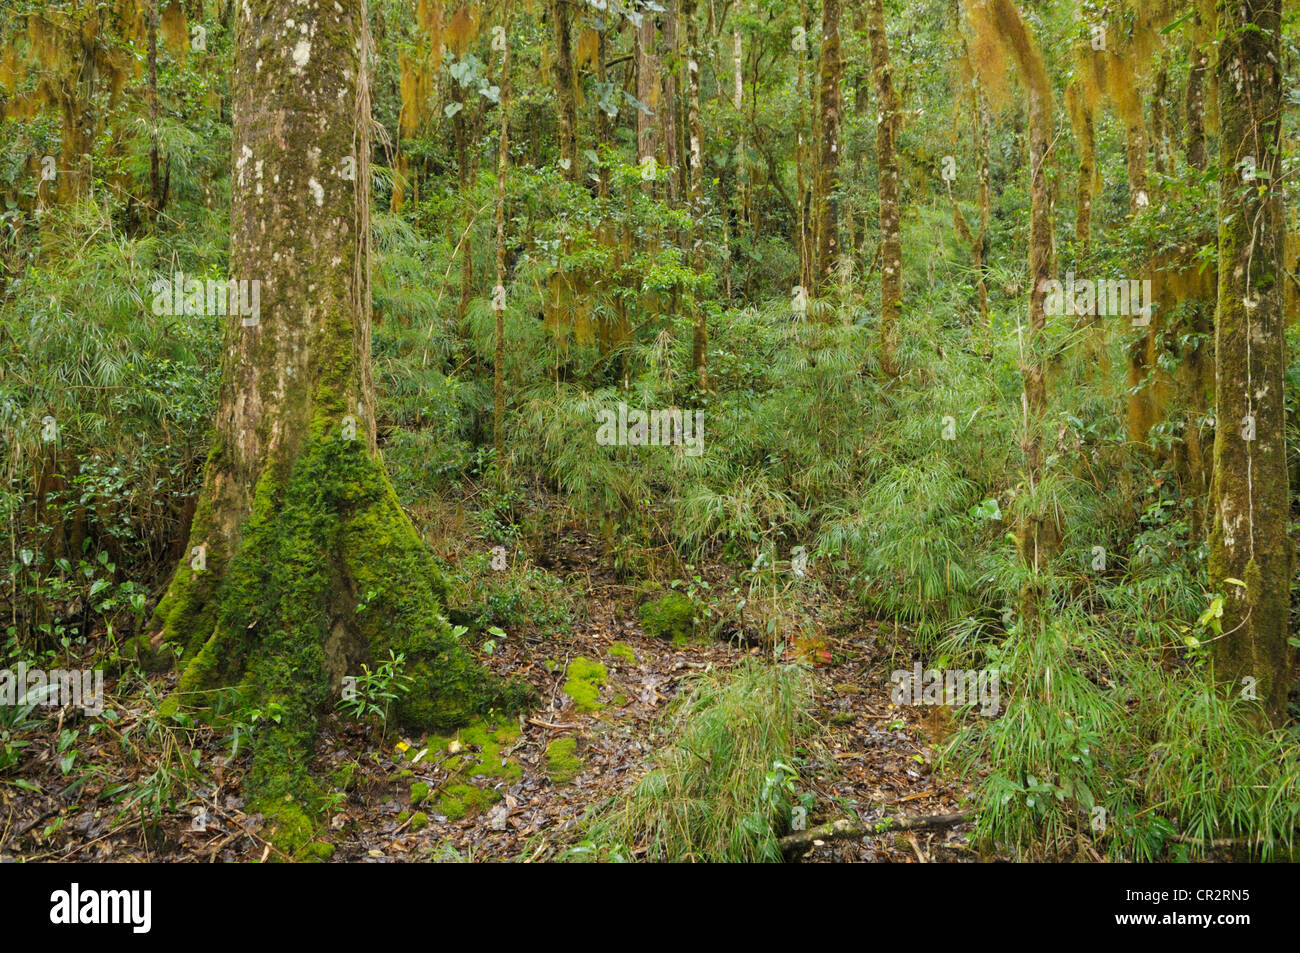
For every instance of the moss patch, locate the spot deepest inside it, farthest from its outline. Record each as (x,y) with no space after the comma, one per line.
(622,652)
(584,682)
(419,821)
(562,761)
(476,751)
(419,793)
(457,800)
(671,616)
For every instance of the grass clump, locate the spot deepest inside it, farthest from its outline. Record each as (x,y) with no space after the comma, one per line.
(724,788)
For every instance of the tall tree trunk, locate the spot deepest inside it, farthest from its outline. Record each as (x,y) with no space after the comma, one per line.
(667,112)
(499,292)
(301,562)
(1193,370)
(648,92)
(980,111)
(459,127)
(1198,64)
(891,251)
(155,180)
(1250,552)
(832,110)
(695,178)
(565,87)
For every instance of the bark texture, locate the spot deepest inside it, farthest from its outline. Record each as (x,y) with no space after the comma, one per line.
(1250,494)
(301,562)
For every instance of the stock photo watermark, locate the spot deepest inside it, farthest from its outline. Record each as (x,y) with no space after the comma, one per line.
(672,427)
(952,687)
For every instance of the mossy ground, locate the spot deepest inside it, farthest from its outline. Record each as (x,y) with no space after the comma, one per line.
(622,652)
(672,616)
(477,751)
(584,683)
(562,761)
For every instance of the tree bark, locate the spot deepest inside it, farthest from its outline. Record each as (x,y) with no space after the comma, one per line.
(499,291)
(695,180)
(301,562)
(1250,494)
(565,84)
(832,110)
(891,252)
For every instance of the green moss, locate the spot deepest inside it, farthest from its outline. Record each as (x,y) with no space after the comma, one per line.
(331,529)
(619,700)
(403,817)
(562,761)
(622,652)
(457,800)
(671,616)
(318,850)
(419,821)
(419,793)
(291,831)
(583,684)
(481,751)
(344,777)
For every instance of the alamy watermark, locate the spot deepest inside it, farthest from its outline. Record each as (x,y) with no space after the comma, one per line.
(954,687)
(179,295)
(1103,297)
(81,688)
(654,428)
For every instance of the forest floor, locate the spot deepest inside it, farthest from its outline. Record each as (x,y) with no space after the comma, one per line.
(873,757)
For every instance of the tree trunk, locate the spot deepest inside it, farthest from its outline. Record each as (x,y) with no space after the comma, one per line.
(832,109)
(648,92)
(695,180)
(565,86)
(301,562)
(1250,495)
(891,252)
(1198,63)
(499,292)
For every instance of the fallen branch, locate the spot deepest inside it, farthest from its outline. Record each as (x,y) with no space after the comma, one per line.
(844,828)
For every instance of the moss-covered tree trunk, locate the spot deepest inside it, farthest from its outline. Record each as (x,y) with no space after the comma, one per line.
(891,249)
(1250,495)
(301,563)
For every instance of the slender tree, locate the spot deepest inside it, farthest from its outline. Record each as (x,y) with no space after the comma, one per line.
(891,251)
(832,110)
(1250,552)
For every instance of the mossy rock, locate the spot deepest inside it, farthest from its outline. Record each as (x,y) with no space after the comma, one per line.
(585,680)
(622,652)
(562,761)
(672,616)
